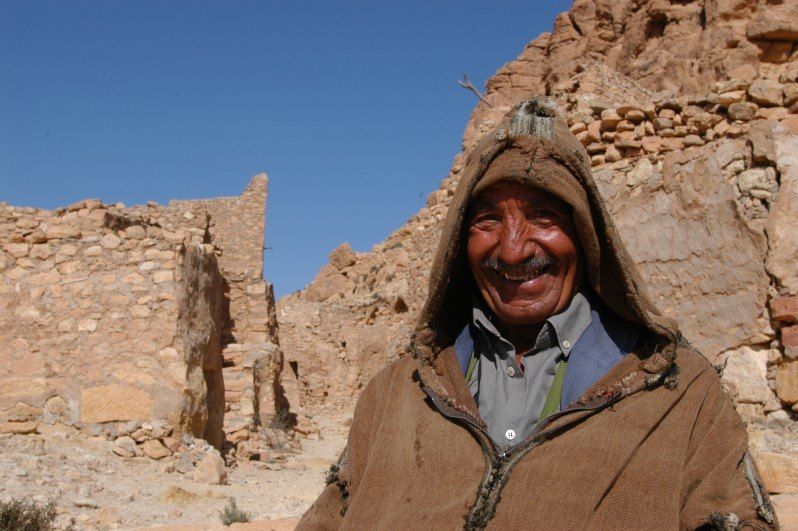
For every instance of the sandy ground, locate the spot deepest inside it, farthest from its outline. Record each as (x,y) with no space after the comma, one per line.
(100,490)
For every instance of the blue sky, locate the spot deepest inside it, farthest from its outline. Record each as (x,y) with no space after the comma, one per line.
(352,108)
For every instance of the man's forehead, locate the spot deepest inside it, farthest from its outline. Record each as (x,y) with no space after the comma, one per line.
(504,190)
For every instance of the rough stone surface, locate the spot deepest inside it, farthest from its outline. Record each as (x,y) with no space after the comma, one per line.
(785,309)
(211,469)
(766,92)
(743,111)
(18,427)
(782,236)
(125,446)
(745,375)
(787,381)
(779,472)
(153,448)
(789,341)
(107,403)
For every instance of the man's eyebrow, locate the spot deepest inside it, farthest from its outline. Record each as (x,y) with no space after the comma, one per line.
(483,204)
(537,202)
(555,204)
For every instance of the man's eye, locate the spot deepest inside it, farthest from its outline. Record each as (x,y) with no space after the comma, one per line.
(485,218)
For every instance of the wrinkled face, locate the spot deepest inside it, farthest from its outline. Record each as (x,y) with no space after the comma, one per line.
(524,252)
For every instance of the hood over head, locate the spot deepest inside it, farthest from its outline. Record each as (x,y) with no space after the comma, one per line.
(534,146)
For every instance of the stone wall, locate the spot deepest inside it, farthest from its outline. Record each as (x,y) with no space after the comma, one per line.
(689,111)
(115,317)
(237,227)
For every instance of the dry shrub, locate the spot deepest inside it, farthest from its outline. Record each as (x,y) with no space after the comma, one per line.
(26,515)
(231,514)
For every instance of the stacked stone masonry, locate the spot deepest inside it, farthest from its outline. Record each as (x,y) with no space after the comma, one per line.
(121,320)
(689,111)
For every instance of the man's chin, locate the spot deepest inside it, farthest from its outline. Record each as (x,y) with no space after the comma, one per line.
(526,314)
(530,297)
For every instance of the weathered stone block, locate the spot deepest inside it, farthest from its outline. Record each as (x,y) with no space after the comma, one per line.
(153,449)
(743,111)
(107,403)
(125,446)
(18,427)
(110,241)
(609,120)
(745,375)
(789,340)
(782,236)
(329,282)
(17,250)
(342,256)
(779,471)
(163,276)
(787,381)
(210,469)
(785,309)
(766,92)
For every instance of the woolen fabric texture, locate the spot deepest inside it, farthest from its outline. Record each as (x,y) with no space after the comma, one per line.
(655,443)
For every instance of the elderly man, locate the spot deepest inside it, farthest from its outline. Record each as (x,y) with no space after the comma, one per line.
(545,389)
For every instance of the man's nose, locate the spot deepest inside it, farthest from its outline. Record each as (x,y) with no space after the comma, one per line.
(516,244)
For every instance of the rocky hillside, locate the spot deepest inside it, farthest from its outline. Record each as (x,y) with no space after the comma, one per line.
(689,110)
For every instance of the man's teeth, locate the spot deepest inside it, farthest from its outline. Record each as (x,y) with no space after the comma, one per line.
(528,276)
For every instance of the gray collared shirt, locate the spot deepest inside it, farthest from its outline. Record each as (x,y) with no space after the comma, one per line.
(510,400)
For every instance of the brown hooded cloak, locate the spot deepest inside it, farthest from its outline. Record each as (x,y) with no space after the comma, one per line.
(654,443)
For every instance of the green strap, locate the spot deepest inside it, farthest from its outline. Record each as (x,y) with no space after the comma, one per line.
(472,364)
(552,403)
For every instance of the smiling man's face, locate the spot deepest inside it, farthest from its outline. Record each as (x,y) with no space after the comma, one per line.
(524,252)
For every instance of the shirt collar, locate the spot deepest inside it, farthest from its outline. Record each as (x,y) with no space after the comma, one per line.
(571,322)
(563,329)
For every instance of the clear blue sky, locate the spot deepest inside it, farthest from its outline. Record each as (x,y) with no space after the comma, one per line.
(352,108)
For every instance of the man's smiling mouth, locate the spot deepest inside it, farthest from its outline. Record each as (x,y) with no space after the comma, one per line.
(530,269)
(531,275)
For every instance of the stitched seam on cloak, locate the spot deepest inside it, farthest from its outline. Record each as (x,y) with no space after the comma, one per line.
(763,506)
(495,496)
(487,478)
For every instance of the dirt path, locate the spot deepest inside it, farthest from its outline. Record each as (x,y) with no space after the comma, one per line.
(99,489)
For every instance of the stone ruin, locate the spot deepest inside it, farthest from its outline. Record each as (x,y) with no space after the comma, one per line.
(142,324)
(689,111)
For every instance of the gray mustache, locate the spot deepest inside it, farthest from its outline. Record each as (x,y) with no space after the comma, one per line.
(533,263)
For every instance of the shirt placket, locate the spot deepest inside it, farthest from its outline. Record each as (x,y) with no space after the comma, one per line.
(515,385)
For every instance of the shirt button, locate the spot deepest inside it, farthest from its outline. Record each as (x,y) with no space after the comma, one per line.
(566,344)
(510,435)
(510,370)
